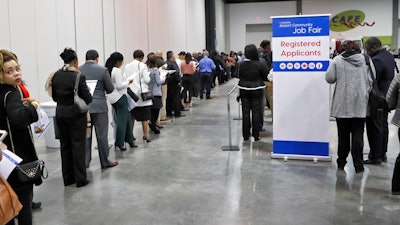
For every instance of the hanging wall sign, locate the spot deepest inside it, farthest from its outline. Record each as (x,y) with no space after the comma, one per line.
(348,20)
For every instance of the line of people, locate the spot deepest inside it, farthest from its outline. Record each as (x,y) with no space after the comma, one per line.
(355,107)
(173,83)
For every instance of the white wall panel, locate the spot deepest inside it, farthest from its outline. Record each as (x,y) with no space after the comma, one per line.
(175,21)
(242,14)
(109,28)
(141,26)
(125,31)
(176,25)
(65,25)
(220,26)
(195,25)
(23,40)
(196,29)
(5,26)
(47,47)
(158,34)
(38,31)
(89,28)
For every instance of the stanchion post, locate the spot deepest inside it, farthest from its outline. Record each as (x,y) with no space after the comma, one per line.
(230,147)
(238,118)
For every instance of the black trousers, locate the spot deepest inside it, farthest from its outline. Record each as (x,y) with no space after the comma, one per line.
(350,138)
(187,83)
(173,103)
(73,142)
(251,101)
(205,84)
(396,171)
(25,215)
(377,133)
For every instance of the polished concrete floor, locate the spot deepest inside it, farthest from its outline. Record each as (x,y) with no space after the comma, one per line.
(183,177)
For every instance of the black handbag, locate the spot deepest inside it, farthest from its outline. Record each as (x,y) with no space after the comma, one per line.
(132,94)
(31,171)
(145,95)
(79,103)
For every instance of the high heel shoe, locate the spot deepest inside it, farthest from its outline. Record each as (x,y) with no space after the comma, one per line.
(154,128)
(147,140)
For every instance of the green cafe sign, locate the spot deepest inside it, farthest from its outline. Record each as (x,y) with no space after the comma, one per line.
(347,20)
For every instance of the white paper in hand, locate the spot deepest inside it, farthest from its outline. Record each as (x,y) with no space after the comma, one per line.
(8,163)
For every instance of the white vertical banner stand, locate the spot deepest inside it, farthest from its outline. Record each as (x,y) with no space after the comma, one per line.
(300,47)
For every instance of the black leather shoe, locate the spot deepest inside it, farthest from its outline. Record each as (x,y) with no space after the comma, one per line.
(132,145)
(110,164)
(372,162)
(36,205)
(120,148)
(359,170)
(395,192)
(384,158)
(82,183)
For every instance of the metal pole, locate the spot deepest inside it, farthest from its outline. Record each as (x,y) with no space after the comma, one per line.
(230,147)
(229,119)
(239,117)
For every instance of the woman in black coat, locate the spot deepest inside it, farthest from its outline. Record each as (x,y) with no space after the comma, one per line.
(17,114)
(71,123)
(252,74)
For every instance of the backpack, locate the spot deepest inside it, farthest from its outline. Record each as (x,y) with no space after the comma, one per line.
(377,100)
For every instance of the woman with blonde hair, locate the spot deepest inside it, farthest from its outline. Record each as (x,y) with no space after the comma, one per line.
(17,114)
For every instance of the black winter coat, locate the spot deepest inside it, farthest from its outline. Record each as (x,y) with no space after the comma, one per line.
(20,118)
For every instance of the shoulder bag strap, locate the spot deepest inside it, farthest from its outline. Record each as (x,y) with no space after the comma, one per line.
(76,84)
(140,79)
(368,62)
(8,122)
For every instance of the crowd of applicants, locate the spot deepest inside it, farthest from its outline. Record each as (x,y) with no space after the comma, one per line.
(354,103)
(173,84)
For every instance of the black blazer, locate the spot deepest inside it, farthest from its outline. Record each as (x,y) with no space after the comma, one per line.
(384,65)
(63,92)
(252,74)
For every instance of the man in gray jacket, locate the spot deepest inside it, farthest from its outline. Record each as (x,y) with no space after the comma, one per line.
(98,107)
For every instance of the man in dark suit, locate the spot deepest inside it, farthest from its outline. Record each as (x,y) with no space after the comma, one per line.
(98,107)
(377,126)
